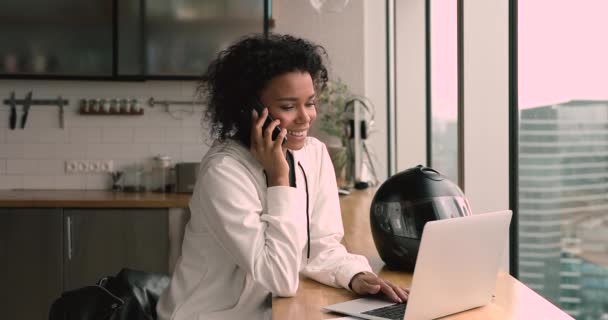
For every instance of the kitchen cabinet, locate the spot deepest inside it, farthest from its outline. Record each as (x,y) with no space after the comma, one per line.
(44,252)
(56,38)
(183,36)
(102,241)
(121,40)
(31,254)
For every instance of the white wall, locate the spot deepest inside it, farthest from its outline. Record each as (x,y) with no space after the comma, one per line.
(341,33)
(410,84)
(355,41)
(486,106)
(34,157)
(375,77)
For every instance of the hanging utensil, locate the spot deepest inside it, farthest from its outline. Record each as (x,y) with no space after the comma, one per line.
(60,103)
(13,116)
(27,103)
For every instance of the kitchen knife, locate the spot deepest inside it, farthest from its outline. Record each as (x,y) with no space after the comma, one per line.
(13,116)
(61,113)
(27,103)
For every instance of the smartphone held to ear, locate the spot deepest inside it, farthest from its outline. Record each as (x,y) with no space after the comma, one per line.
(259,107)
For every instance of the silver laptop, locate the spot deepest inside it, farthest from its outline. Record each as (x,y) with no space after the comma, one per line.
(456,269)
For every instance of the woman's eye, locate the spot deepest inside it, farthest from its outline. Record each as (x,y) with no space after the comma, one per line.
(311,104)
(287,108)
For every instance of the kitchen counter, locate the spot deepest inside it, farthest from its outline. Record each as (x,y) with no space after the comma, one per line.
(91,199)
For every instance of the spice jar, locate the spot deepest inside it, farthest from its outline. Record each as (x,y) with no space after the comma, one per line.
(162,173)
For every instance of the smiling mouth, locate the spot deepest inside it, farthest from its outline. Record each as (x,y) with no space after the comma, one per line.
(301,133)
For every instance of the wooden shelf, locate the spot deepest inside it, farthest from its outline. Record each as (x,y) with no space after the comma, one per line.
(82,111)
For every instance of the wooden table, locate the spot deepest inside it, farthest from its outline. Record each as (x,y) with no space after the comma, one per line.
(513,299)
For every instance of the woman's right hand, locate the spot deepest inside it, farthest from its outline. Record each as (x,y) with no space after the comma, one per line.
(268,152)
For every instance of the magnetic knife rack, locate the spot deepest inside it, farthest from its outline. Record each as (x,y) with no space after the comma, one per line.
(40,102)
(59,102)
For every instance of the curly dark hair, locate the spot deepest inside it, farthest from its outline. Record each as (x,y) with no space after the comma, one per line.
(241,72)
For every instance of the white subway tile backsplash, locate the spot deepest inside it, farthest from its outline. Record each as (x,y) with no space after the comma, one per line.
(165,119)
(104,151)
(192,135)
(87,134)
(148,135)
(11,151)
(50,167)
(42,117)
(126,90)
(121,164)
(11,182)
(163,90)
(117,135)
(73,182)
(4,116)
(172,135)
(53,135)
(193,153)
(40,89)
(20,136)
(117,151)
(70,151)
(172,150)
(39,182)
(39,151)
(189,89)
(35,157)
(77,120)
(142,121)
(98,182)
(74,120)
(122,121)
(195,120)
(21,166)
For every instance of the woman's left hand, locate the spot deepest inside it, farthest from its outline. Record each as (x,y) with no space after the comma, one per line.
(365,283)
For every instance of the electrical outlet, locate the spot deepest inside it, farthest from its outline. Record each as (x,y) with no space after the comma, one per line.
(93,166)
(71,166)
(89,166)
(76,166)
(106,166)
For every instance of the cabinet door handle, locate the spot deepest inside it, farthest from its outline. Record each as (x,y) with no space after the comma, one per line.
(69,234)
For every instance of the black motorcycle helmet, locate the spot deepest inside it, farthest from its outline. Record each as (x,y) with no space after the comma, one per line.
(404,204)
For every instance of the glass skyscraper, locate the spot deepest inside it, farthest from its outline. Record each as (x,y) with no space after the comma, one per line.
(563,205)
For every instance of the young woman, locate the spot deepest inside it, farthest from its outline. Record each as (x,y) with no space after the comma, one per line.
(263,211)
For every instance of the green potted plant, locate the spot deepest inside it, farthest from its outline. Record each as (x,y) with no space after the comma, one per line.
(334,116)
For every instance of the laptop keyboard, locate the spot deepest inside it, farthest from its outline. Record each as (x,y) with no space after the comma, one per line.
(395,311)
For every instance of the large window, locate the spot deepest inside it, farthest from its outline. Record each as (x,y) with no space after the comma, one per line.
(444,87)
(563,153)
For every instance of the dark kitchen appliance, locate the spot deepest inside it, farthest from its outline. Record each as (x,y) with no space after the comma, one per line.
(185,174)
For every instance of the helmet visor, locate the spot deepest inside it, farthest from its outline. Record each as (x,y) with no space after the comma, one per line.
(407,218)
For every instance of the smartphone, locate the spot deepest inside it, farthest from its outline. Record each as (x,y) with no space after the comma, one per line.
(259,107)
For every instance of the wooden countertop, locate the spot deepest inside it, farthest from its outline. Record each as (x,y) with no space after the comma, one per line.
(90,199)
(513,299)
